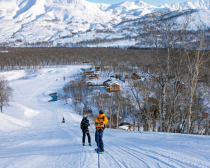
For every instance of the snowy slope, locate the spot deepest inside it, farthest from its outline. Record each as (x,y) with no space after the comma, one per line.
(67,22)
(32,134)
(199,4)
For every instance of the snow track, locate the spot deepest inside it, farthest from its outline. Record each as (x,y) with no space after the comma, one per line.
(32,135)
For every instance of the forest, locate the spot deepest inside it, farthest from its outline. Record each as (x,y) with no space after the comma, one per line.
(174,98)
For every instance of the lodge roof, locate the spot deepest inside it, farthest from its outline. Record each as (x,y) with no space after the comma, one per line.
(110,83)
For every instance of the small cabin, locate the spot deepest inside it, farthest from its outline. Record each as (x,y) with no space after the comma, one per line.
(118,76)
(135,76)
(205,115)
(105,82)
(87,110)
(94,76)
(89,72)
(112,86)
(98,68)
(135,85)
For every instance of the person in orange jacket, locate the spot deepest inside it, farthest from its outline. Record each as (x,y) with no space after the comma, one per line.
(100,122)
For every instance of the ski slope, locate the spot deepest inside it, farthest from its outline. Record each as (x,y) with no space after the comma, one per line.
(32,135)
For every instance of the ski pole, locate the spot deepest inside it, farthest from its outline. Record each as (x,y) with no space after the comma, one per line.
(97,132)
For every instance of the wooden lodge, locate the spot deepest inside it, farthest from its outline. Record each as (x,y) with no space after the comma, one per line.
(94,76)
(85,62)
(112,86)
(205,115)
(105,83)
(87,110)
(89,72)
(135,76)
(98,68)
(118,76)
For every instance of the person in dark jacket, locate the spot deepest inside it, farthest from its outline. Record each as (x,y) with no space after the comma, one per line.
(84,126)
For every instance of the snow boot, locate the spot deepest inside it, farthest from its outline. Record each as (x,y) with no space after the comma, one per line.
(102,150)
(83,144)
(90,144)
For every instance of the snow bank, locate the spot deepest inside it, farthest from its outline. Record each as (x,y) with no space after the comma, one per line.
(13,75)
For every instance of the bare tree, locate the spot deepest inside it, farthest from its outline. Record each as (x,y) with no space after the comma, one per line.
(196,55)
(5,92)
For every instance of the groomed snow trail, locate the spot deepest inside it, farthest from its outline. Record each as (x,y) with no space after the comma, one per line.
(32,135)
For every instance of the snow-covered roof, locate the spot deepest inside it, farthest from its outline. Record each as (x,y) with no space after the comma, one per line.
(112,82)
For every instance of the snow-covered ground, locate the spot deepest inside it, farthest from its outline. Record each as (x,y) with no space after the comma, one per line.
(32,135)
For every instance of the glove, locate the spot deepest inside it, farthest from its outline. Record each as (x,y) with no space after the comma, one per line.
(101,123)
(96,123)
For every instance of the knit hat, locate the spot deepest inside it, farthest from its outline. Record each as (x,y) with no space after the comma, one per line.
(101,112)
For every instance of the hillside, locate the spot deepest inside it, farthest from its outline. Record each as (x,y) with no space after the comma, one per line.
(32,134)
(82,23)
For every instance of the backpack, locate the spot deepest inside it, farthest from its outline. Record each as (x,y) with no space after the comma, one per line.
(84,124)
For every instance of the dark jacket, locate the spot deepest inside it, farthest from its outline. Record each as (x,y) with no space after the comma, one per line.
(84,124)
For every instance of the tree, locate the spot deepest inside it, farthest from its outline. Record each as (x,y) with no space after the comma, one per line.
(163,32)
(196,58)
(5,92)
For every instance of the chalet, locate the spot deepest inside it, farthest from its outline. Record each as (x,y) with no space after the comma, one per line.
(94,76)
(98,68)
(205,115)
(135,76)
(89,72)
(118,76)
(105,82)
(112,86)
(135,85)
(154,108)
(154,105)
(87,110)
(85,62)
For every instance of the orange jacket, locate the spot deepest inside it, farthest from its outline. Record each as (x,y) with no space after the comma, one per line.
(101,119)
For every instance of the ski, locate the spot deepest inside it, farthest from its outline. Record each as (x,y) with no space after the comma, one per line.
(99,152)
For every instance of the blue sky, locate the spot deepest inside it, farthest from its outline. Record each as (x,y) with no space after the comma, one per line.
(151,2)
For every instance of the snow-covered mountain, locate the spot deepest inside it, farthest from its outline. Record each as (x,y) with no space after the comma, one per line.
(199,4)
(65,22)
